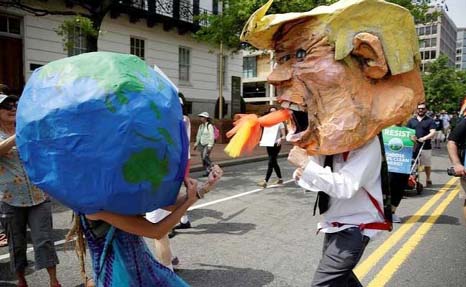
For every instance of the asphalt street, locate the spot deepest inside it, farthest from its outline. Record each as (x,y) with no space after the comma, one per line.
(243,235)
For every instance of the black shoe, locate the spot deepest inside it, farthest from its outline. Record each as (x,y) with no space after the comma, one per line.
(183,225)
(172,233)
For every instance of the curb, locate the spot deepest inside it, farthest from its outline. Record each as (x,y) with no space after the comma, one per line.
(231,162)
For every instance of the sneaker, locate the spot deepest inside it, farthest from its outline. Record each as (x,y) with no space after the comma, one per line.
(183,225)
(396,218)
(262,183)
(429,183)
(278,181)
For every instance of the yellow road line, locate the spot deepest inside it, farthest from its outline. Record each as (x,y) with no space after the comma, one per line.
(364,267)
(392,266)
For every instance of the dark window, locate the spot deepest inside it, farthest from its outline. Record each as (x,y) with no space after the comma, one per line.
(433,54)
(434,29)
(10,25)
(14,26)
(32,66)
(137,47)
(3,24)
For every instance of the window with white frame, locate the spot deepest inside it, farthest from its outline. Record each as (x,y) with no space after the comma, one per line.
(184,60)
(224,71)
(250,67)
(10,25)
(79,42)
(137,47)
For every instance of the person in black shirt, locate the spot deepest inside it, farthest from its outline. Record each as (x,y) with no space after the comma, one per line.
(425,131)
(456,149)
(438,131)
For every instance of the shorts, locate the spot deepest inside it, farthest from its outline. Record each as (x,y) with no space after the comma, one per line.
(462,193)
(157,215)
(426,158)
(439,135)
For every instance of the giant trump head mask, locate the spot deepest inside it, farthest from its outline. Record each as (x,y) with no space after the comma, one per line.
(347,70)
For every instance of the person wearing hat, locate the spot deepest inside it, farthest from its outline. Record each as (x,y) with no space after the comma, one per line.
(345,72)
(205,140)
(23,204)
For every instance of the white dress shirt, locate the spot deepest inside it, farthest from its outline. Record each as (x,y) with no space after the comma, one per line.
(347,185)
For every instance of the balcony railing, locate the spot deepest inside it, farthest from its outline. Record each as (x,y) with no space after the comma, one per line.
(184,11)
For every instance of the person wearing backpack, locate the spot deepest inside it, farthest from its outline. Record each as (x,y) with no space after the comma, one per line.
(205,140)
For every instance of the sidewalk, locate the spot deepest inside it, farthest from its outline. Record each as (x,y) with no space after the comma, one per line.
(219,157)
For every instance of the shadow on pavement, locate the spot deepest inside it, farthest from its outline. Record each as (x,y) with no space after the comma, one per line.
(230,228)
(443,219)
(226,276)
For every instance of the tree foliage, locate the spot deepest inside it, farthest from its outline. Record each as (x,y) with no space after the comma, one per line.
(227,26)
(444,87)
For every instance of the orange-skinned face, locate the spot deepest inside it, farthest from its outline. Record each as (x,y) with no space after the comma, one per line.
(347,102)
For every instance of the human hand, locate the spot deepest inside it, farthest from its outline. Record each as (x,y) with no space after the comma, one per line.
(191,190)
(414,138)
(298,173)
(421,140)
(215,174)
(459,170)
(195,147)
(298,157)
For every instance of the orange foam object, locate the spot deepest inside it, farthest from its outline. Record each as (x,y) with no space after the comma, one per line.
(247,131)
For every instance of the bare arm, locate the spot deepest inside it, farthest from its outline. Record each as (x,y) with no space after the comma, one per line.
(454,158)
(7,145)
(138,225)
(429,136)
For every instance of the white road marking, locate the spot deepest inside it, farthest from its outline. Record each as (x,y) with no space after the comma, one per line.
(60,242)
(234,196)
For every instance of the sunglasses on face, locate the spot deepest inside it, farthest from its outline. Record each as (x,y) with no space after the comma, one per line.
(9,106)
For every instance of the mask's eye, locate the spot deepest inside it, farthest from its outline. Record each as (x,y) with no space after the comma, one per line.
(300,54)
(285,58)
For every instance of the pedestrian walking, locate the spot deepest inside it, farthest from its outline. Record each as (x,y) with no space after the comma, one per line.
(439,136)
(23,205)
(272,138)
(205,140)
(425,132)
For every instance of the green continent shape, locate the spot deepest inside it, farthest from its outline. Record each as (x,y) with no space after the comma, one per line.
(145,166)
(166,135)
(114,73)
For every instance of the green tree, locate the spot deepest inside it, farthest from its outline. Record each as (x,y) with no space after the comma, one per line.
(444,87)
(226,27)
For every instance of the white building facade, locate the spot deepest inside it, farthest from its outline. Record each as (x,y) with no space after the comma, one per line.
(29,42)
(461,49)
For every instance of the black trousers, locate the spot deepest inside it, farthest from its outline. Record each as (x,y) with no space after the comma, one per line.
(273,152)
(398,182)
(342,251)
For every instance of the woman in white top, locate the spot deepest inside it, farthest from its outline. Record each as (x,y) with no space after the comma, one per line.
(272,138)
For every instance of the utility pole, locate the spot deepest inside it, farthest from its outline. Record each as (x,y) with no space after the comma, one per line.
(220,82)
